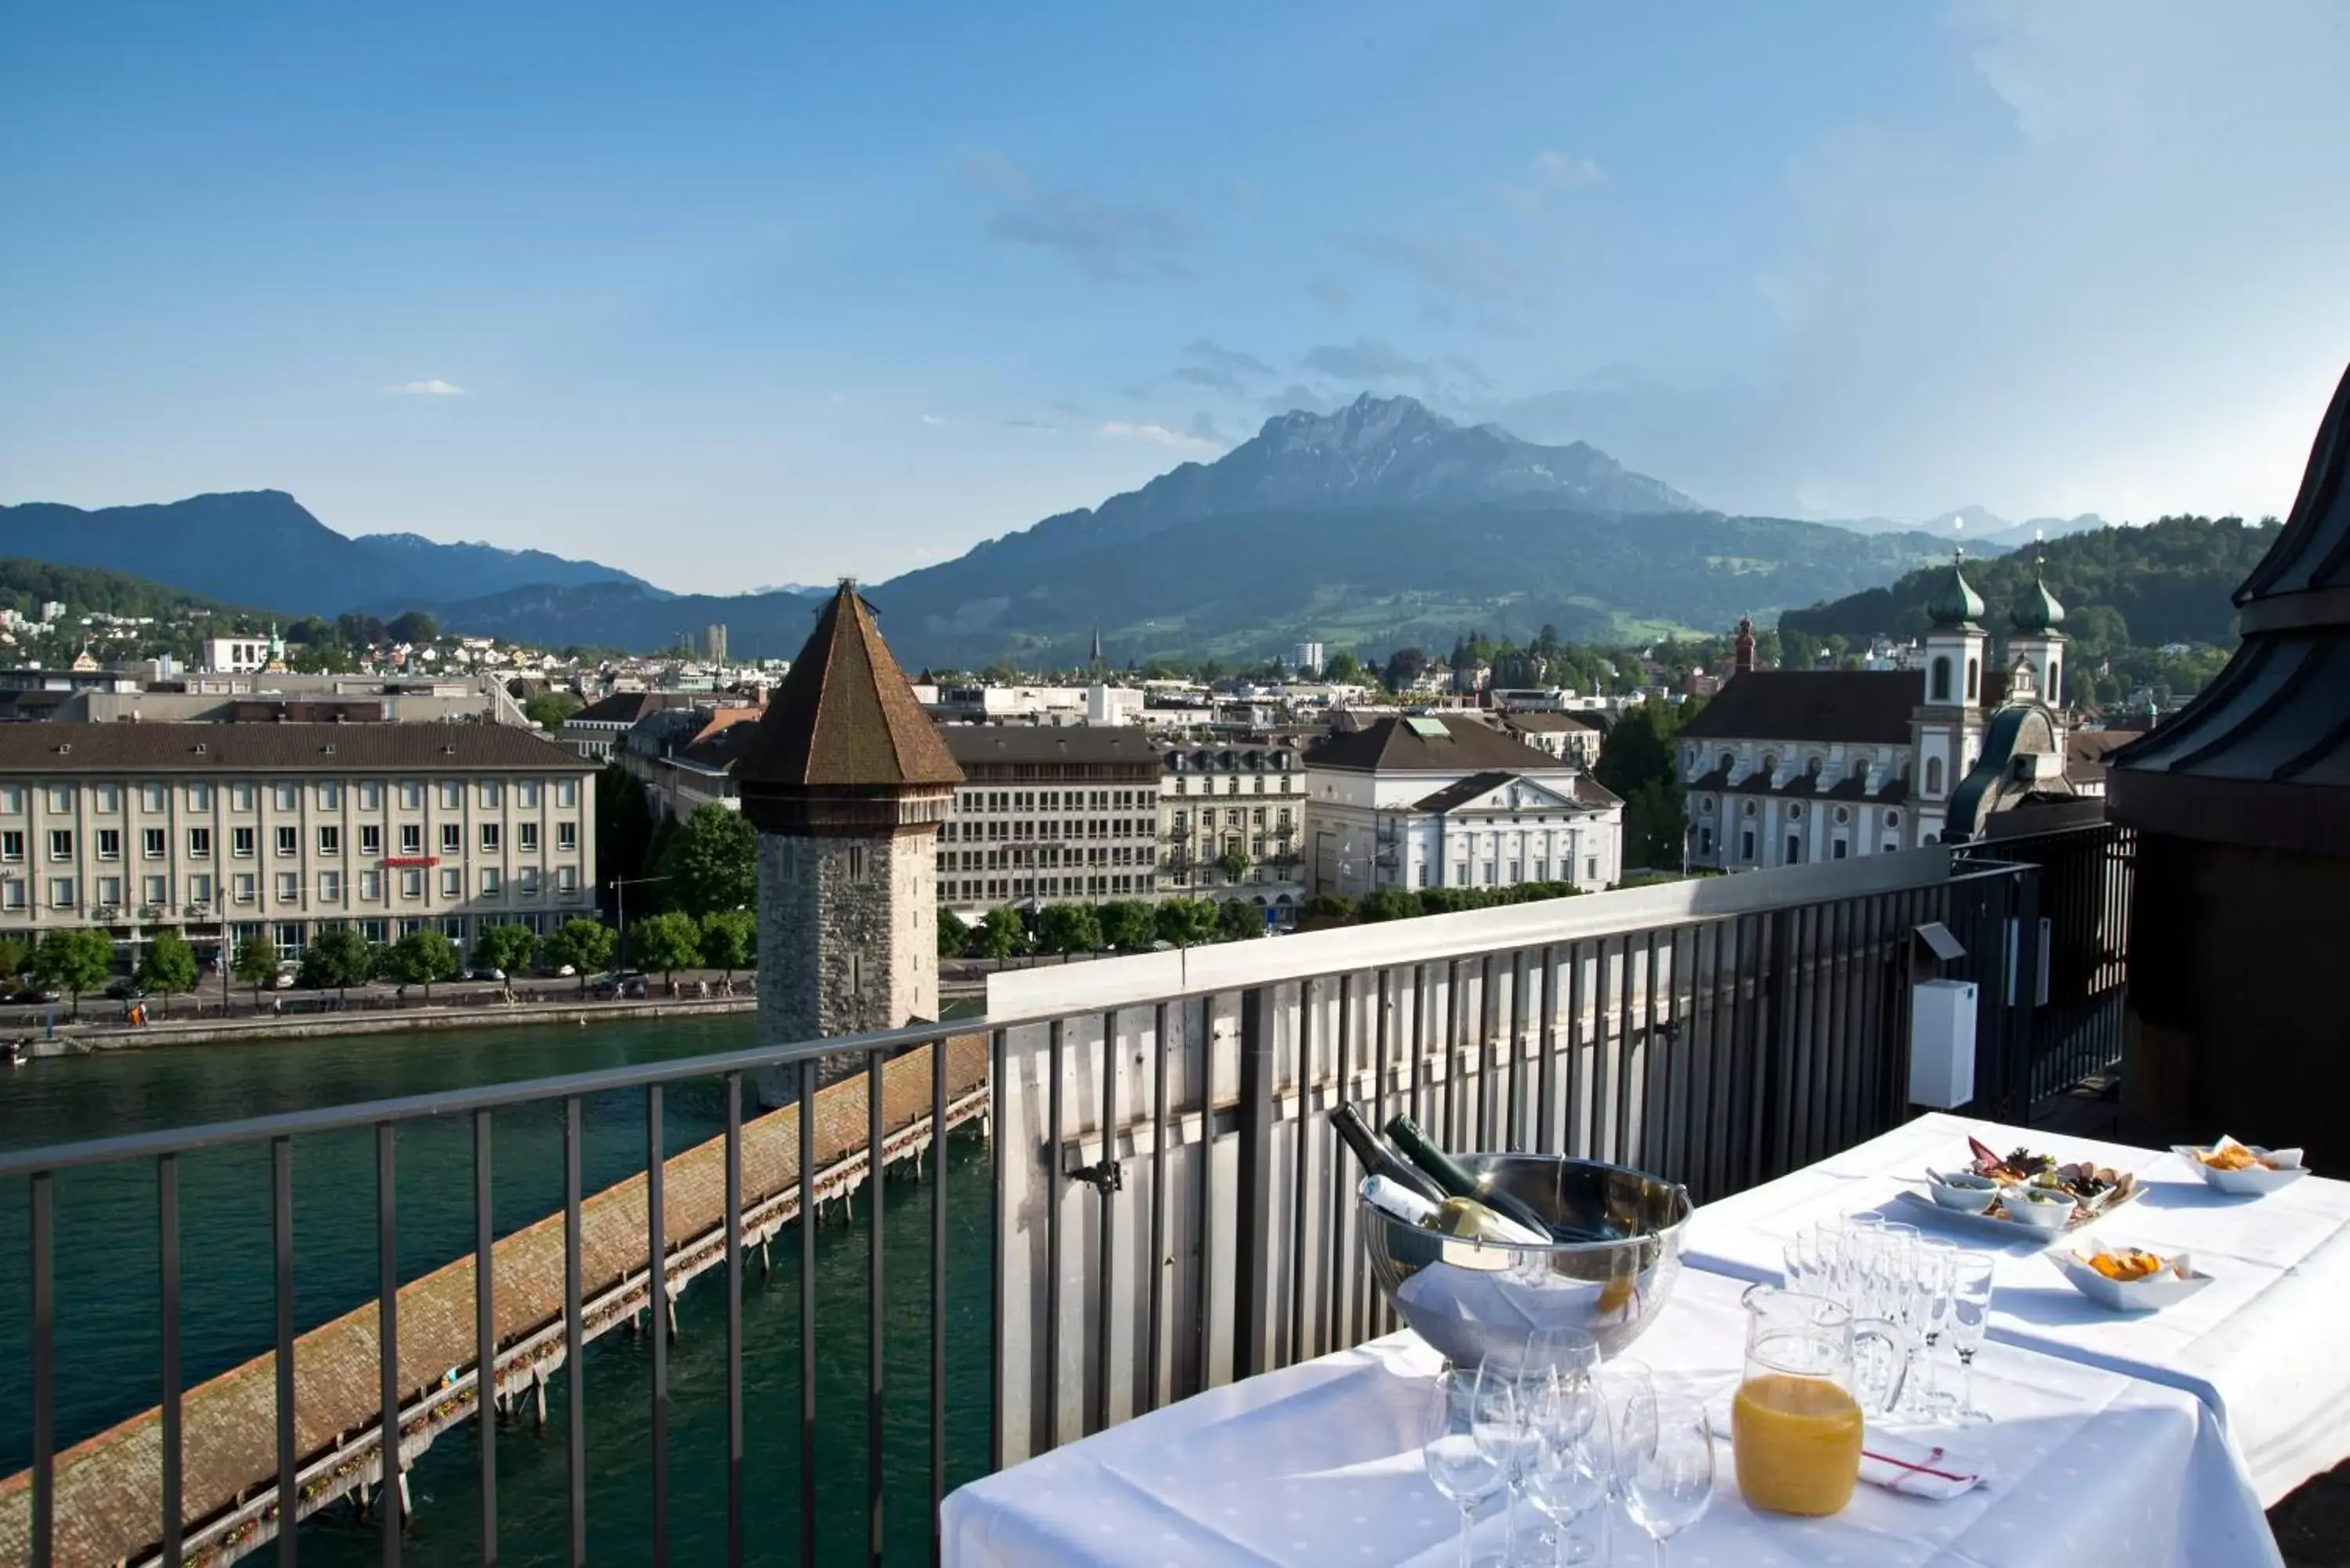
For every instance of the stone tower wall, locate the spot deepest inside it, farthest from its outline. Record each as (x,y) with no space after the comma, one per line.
(847,939)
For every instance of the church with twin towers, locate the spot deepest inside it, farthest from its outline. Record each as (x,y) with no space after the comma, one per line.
(1785,767)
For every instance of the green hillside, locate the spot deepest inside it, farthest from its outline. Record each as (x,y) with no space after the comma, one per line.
(2127,593)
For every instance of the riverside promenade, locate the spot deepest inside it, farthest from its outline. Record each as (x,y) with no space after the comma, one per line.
(109,1488)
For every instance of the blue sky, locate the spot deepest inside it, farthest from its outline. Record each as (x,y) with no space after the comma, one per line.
(730,294)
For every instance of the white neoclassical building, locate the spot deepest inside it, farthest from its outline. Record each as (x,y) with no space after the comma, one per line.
(1451,802)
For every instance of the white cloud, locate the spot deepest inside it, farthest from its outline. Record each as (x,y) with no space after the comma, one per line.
(933,421)
(433,388)
(1555,174)
(1157,435)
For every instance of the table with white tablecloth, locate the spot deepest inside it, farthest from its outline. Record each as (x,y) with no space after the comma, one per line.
(1319,1464)
(2262,1345)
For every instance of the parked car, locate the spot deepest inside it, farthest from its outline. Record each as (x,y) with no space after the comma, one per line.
(498,975)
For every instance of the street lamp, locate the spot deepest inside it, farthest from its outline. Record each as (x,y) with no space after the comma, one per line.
(621,914)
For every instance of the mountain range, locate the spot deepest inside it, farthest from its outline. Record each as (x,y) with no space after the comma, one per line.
(1980,529)
(263,547)
(1378,524)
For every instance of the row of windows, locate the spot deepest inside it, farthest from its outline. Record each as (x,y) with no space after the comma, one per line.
(1086,828)
(287,795)
(154,844)
(244,886)
(1843,813)
(1488,873)
(1050,855)
(1233,785)
(1002,890)
(1207,761)
(974,799)
(1235,816)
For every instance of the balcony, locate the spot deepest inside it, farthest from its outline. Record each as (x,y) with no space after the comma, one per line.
(1722,1033)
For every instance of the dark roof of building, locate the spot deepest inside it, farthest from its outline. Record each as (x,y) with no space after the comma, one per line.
(1429,744)
(1864,706)
(1544,723)
(2085,752)
(250,748)
(721,749)
(625,708)
(844,716)
(999,745)
(2261,756)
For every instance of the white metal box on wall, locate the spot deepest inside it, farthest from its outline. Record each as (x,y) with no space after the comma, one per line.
(1942,1042)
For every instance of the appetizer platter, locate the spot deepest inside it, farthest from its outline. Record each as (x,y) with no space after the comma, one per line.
(2023,1194)
(2129,1279)
(2243,1170)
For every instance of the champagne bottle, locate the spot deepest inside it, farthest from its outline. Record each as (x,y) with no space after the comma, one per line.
(1449,1174)
(1378,1157)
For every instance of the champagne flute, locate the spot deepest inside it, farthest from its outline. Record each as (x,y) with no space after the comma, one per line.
(1937,1264)
(1665,1465)
(1573,1465)
(1971,1294)
(1461,1461)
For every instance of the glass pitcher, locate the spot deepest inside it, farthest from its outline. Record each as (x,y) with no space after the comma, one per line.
(1796,1423)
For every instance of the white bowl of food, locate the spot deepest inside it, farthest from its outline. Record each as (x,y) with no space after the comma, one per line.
(2243,1170)
(2129,1279)
(2041,1207)
(1967,1193)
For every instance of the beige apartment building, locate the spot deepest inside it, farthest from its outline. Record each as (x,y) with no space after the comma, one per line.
(1243,798)
(228,831)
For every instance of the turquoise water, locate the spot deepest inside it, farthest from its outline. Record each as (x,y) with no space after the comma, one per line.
(106,1291)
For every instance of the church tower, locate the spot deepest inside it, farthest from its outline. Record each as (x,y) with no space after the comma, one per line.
(845,782)
(2035,648)
(1946,729)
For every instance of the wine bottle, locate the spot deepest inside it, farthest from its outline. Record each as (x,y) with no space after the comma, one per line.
(1397,1201)
(1378,1157)
(1449,1174)
(1466,1217)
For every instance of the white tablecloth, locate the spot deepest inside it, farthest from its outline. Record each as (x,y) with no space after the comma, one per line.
(2263,1344)
(1319,1465)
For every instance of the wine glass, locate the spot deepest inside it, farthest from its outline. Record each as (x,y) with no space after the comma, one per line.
(1560,1354)
(1970,1293)
(1573,1464)
(1468,1442)
(1664,1461)
(1515,1445)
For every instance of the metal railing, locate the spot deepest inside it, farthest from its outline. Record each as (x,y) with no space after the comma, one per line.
(1169,1207)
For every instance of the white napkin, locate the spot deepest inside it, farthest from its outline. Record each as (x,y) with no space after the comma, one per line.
(1917,1468)
(1896,1462)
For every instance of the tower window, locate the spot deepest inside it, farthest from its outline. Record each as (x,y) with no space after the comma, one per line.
(2051,694)
(1974,678)
(856,862)
(1933,775)
(1942,679)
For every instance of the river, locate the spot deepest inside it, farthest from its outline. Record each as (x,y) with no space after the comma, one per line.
(107,1358)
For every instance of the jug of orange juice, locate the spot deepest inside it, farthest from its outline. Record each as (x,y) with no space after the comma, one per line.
(1795,1422)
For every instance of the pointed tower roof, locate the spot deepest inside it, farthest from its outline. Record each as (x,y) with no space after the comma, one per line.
(1956,607)
(844,718)
(2038,611)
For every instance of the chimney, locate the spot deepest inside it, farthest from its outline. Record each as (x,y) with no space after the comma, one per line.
(1743,648)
